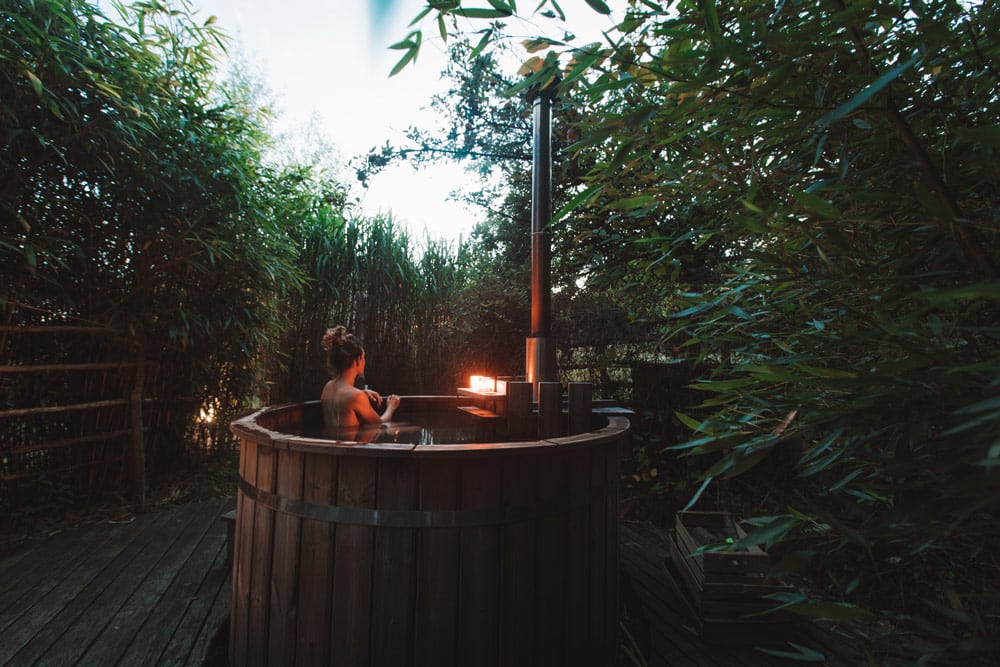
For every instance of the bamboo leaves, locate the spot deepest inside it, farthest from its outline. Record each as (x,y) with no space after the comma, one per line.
(143,202)
(411,48)
(833,282)
(870,91)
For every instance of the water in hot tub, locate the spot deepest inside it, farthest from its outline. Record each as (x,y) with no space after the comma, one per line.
(429,428)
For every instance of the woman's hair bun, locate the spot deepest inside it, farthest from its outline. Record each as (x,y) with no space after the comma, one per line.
(334,337)
(342,349)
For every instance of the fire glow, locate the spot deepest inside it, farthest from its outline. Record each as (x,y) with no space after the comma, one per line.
(483,384)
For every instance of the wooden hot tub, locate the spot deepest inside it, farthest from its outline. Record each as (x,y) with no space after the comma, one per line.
(439,555)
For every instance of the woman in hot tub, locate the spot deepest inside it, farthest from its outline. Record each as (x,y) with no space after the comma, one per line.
(345,407)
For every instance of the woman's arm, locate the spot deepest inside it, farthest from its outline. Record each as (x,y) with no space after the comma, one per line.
(366,413)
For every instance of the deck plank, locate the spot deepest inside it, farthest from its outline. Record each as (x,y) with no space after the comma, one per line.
(205,615)
(80,594)
(101,603)
(95,593)
(169,598)
(39,567)
(62,574)
(139,600)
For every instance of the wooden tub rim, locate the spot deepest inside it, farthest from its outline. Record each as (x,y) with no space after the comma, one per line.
(247,428)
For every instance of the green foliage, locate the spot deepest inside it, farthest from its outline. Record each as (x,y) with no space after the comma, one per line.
(134,194)
(490,132)
(809,192)
(370,276)
(131,195)
(480,126)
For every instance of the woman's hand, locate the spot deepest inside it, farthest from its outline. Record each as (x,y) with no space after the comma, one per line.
(390,407)
(374,396)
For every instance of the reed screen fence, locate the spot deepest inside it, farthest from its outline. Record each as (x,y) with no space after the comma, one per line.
(71,426)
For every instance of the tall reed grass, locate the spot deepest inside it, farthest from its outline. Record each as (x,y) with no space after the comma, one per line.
(397,295)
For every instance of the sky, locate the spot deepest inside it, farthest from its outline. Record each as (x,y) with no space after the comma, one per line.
(327,64)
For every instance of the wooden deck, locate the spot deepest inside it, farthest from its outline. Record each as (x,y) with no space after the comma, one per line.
(152,591)
(155,591)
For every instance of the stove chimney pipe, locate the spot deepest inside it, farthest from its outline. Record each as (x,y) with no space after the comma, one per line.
(540,357)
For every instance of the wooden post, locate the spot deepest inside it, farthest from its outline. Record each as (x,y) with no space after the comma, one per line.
(518,409)
(549,409)
(137,455)
(580,399)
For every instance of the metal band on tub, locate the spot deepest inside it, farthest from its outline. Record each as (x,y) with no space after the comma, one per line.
(365,516)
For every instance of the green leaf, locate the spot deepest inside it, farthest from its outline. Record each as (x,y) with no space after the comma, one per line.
(748,461)
(693,310)
(36,83)
(767,534)
(483,41)
(599,6)
(481,13)
(641,201)
(870,91)
(583,59)
(583,197)
(692,424)
(412,44)
(834,373)
(987,405)
(722,385)
(769,373)
(815,204)
(846,479)
(411,40)
(403,62)
(976,291)
(697,494)
(712,25)
(812,452)
(709,443)
(972,424)
(419,17)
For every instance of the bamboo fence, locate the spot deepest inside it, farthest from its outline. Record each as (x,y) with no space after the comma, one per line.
(71,415)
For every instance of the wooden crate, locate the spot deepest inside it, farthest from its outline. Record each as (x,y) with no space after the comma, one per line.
(726,589)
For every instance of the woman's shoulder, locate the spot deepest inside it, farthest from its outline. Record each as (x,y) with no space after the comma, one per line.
(329,391)
(355,395)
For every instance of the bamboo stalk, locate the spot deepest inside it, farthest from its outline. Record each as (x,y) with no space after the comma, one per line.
(55,470)
(49,368)
(56,409)
(69,442)
(137,454)
(65,328)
